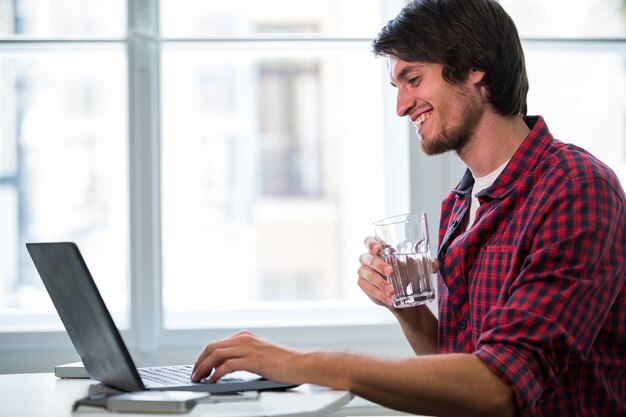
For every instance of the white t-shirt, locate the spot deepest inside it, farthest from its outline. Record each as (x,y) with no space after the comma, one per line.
(479,185)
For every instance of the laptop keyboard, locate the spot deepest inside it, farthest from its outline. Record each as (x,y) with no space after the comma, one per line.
(169,375)
(173,375)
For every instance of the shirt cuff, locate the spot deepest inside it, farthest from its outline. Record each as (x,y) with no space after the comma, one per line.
(518,369)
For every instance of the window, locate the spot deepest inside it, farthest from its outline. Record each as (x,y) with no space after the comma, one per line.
(267,125)
(62,19)
(576,60)
(560,19)
(580,91)
(204,19)
(63,150)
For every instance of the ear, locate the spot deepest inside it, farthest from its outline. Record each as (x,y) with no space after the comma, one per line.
(476,77)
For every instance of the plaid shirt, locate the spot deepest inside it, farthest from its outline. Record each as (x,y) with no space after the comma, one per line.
(536,287)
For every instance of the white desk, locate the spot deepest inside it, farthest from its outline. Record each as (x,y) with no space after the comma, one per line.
(37,395)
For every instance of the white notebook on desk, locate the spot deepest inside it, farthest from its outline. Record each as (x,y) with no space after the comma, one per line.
(71,370)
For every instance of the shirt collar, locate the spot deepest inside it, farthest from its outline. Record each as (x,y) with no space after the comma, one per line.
(522,162)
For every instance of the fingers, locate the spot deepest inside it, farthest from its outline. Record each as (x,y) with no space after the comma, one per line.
(203,366)
(216,354)
(380,293)
(227,367)
(213,362)
(372,245)
(435,264)
(372,258)
(371,279)
(372,273)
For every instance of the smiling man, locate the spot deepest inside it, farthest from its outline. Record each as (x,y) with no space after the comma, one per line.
(532,246)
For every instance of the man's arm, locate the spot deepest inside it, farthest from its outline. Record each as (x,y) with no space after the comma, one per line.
(442,385)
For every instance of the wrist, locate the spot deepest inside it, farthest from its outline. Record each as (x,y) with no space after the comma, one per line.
(326,368)
(410,312)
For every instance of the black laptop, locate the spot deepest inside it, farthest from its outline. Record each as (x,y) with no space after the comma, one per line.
(98,341)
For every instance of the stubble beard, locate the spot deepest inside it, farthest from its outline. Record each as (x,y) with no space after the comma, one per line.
(456,138)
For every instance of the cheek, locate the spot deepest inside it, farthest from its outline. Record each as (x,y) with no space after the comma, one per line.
(459,106)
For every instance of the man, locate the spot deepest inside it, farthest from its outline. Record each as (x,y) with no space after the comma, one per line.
(532,246)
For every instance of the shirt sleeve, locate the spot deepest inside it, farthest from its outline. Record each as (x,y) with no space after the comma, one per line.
(560,296)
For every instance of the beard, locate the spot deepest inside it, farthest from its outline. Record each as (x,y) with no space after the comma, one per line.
(456,138)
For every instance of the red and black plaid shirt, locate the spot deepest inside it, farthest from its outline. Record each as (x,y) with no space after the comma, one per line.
(536,287)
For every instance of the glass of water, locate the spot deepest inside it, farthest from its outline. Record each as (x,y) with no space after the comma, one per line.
(406,247)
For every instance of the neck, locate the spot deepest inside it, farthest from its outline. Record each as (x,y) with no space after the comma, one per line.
(495,140)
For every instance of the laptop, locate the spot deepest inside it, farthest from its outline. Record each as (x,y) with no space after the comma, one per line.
(98,341)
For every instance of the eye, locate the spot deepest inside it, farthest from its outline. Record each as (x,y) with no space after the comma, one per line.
(413,81)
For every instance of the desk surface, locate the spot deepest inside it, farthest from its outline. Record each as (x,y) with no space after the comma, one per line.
(46,395)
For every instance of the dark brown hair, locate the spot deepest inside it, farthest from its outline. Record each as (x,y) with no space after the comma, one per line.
(462,35)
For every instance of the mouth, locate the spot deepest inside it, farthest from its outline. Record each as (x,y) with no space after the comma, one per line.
(421,118)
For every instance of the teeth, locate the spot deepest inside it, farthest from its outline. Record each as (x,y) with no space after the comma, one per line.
(421,119)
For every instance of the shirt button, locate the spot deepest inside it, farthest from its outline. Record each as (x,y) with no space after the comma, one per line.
(462,325)
(454,223)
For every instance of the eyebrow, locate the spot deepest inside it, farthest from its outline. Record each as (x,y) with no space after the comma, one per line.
(402,75)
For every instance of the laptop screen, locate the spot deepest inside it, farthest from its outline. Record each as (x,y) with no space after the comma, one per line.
(84,314)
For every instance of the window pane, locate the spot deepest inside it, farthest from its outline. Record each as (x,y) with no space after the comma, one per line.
(191,18)
(585,104)
(271,173)
(567,19)
(61,18)
(63,171)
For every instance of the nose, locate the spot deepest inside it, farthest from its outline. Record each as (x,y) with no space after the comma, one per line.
(404,102)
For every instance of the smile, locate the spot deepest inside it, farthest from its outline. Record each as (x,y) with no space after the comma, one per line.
(421,119)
